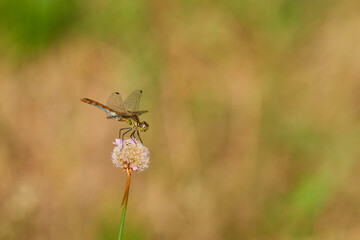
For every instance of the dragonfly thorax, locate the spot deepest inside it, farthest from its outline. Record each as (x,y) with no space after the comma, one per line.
(142,126)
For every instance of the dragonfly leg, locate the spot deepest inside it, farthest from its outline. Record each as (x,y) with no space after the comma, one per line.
(128,128)
(132,136)
(137,131)
(123,136)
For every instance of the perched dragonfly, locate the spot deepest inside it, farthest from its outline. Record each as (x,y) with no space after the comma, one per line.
(127,111)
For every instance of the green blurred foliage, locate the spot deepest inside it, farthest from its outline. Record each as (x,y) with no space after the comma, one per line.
(30,26)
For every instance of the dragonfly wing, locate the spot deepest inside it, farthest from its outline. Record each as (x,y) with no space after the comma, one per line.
(115,102)
(138,113)
(132,102)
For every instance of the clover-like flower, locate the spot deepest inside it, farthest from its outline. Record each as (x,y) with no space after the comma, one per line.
(130,154)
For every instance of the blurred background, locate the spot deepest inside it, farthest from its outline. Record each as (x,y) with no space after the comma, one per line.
(254,113)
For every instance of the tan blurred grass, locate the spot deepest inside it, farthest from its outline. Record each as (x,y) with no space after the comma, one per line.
(254,128)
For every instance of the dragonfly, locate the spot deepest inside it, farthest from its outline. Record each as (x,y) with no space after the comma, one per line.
(127,111)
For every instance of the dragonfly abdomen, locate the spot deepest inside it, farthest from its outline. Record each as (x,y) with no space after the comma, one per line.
(100,105)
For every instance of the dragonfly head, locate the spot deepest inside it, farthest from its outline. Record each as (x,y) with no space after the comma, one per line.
(144,126)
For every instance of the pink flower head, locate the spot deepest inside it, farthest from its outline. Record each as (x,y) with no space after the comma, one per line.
(130,154)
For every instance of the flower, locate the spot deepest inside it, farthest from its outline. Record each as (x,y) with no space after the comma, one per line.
(130,154)
(118,142)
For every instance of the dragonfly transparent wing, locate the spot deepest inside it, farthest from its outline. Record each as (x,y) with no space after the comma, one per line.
(115,102)
(132,102)
(138,113)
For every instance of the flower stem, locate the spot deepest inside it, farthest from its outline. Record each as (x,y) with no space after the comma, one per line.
(122,222)
(124,203)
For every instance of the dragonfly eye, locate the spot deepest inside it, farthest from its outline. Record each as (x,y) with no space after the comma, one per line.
(144,126)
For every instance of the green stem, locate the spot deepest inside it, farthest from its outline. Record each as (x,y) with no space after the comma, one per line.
(122,222)
(124,205)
